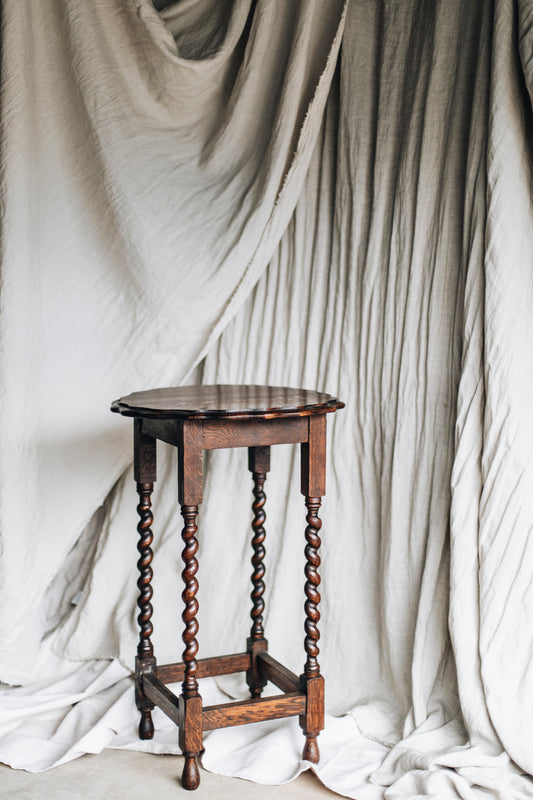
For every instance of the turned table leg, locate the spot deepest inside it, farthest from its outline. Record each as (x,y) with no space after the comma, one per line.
(313,487)
(145,475)
(212,417)
(190,701)
(259,465)
(313,682)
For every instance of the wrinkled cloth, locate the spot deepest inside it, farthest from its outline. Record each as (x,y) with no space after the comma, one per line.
(147,179)
(402,284)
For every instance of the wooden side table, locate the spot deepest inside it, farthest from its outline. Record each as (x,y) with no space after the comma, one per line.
(193,419)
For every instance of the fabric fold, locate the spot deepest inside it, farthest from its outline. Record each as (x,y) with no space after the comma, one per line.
(124,241)
(229,195)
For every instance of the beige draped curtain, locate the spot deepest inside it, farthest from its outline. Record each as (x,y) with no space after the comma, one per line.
(297,193)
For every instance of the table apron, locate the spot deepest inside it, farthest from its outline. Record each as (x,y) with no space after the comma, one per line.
(224,433)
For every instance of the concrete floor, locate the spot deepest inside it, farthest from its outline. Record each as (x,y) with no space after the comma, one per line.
(127,775)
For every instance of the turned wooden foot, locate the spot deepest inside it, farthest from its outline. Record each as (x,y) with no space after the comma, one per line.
(145,706)
(311,751)
(191,774)
(190,739)
(146,725)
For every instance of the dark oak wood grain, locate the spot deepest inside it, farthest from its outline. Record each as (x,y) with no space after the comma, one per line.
(190,683)
(190,738)
(257,457)
(206,667)
(312,614)
(144,455)
(194,419)
(190,463)
(222,400)
(280,676)
(313,458)
(240,432)
(312,721)
(166,430)
(144,666)
(311,681)
(259,465)
(255,710)
(144,529)
(246,432)
(161,696)
(258,557)
(255,678)
(145,660)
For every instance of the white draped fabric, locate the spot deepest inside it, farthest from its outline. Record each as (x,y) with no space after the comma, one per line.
(147,183)
(198,187)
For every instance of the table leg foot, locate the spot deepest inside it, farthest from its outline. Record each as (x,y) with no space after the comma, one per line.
(146,725)
(191,774)
(311,751)
(190,738)
(145,706)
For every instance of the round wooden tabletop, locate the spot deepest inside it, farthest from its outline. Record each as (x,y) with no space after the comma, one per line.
(224,400)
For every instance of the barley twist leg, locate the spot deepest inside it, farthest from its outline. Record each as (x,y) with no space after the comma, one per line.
(145,651)
(311,674)
(191,773)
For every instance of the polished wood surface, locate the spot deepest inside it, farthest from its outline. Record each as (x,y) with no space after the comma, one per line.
(242,712)
(194,419)
(144,582)
(259,465)
(207,667)
(144,472)
(312,583)
(253,431)
(190,684)
(258,558)
(279,675)
(231,431)
(223,400)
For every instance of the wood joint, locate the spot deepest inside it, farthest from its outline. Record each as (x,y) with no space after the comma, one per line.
(279,675)
(162,697)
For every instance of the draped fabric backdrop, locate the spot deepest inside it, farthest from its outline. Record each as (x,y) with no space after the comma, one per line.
(311,193)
